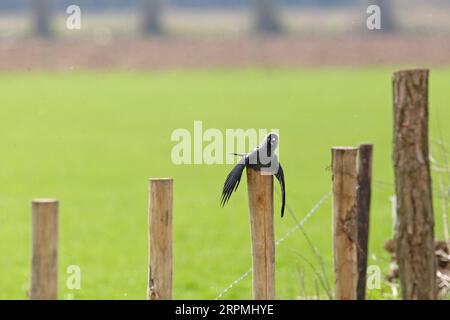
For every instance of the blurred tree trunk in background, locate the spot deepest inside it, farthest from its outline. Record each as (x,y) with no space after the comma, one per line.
(387,14)
(267,16)
(152,16)
(42,17)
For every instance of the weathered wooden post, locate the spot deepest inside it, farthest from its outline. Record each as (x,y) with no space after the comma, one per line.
(344,222)
(160,271)
(260,196)
(44,263)
(363,214)
(414,236)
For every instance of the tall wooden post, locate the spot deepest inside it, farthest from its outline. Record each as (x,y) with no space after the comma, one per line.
(363,214)
(260,196)
(414,235)
(160,271)
(44,263)
(344,224)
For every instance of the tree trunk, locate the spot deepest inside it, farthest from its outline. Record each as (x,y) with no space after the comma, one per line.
(266,16)
(152,16)
(387,14)
(414,235)
(42,17)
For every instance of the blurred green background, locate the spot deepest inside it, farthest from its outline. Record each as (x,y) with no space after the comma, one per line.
(86,116)
(92,140)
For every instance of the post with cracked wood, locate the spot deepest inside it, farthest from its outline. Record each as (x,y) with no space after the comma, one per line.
(414,233)
(344,222)
(260,196)
(160,270)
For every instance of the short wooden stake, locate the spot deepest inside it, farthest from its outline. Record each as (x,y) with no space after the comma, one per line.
(344,225)
(44,263)
(363,214)
(260,196)
(160,270)
(414,236)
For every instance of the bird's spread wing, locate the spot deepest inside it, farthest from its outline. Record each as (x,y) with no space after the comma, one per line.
(280,177)
(232,181)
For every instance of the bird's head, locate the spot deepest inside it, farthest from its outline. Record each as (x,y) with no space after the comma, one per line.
(272,140)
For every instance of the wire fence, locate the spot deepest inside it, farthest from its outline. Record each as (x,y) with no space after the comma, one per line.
(386,186)
(278,242)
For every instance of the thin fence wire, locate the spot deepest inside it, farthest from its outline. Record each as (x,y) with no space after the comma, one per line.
(379,183)
(305,218)
(279,241)
(290,233)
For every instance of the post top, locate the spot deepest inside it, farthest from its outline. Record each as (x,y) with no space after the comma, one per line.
(160,179)
(406,71)
(44,200)
(343,149)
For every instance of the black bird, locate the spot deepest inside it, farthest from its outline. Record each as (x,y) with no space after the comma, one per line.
(262,158)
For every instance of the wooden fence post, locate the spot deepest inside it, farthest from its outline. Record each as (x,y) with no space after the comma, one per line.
(344,225)
(160,271)
(44,262)
(260,196)
(414,236)
(363,215)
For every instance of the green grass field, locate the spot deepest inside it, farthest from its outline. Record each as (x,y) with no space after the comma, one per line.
(91,140)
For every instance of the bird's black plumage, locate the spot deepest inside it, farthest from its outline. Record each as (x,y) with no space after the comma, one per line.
(280,177)
(263,158)
(233,179)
